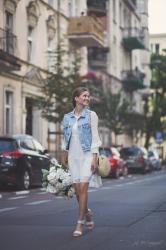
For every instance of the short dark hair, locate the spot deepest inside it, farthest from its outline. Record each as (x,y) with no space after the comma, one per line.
(77,92)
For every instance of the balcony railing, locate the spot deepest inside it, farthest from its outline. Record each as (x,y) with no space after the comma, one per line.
(86,31)
(97,58)
(97,7)
(133,38)
(133,79)
(8,42)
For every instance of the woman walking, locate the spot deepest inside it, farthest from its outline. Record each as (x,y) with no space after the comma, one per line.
(81,148)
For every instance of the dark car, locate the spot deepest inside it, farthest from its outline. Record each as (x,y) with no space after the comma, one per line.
(117,165)
(136,159)
(21,159)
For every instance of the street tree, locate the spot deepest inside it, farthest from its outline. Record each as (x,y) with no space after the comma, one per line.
(156,122)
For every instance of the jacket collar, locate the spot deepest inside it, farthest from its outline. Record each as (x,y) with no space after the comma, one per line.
(83,114)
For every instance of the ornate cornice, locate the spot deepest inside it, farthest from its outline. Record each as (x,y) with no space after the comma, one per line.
(11,5)
(33,13)
(51,26)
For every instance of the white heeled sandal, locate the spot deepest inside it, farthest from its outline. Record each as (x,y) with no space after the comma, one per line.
(78,233)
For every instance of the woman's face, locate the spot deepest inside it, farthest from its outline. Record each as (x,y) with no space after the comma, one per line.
(83,99)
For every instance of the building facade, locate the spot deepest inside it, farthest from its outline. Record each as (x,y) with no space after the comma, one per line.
(157,43)
(28,31)
(110,35)
(122,64)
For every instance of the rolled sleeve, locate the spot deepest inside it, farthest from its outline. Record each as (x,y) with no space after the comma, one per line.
(96,142)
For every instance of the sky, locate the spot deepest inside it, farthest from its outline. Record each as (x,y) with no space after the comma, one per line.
(157,16)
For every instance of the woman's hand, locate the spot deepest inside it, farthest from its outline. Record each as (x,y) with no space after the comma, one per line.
(94,163)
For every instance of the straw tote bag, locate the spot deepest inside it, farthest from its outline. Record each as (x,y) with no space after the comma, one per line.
(103,167)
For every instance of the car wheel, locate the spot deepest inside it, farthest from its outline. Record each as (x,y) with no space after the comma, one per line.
(125,171)
(117,173)
(25,180)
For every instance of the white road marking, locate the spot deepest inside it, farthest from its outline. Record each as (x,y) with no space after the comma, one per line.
(106,188)
(92,190)
(22,192)
(41,193)
(7,209)
(37,202)
(17,197)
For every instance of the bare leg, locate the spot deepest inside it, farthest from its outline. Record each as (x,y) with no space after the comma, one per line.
(77,191)
(82,198)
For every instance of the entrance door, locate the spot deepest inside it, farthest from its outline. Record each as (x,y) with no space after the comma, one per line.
(29,117)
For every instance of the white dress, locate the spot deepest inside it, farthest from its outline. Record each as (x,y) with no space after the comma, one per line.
(80,161)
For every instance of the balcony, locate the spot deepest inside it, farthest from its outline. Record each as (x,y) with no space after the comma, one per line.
(132,4)
(97,58)
(133,38)
(133,80)
(86,31)
(97,7)
(8,61)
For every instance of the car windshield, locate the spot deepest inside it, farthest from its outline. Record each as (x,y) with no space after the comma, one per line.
(126,152)
(7,145)
(105,151)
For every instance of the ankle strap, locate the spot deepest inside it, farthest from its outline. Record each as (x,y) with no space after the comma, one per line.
(81,222)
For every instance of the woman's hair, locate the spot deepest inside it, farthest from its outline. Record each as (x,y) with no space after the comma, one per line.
(77,92)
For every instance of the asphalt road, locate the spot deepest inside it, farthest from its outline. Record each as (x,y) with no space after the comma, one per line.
(129,213)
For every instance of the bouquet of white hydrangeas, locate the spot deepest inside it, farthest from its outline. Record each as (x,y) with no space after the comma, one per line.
(57,181)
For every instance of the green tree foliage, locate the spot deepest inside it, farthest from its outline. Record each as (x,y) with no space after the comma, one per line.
(156,121)
(113,110)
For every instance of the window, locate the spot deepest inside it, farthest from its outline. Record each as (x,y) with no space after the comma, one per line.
(30,43)
(114,10)
(157,48)
(8,112)
(9,41)
(50,57)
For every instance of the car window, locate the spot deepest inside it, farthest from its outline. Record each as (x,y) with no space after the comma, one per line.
(38,146)
(106,152)
(27,143)
(126,152)
(150,154)
(7,145)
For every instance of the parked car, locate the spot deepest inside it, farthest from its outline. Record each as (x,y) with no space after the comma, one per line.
(117,159)
(136,159)
(117,165)
(154,159)
(21,159)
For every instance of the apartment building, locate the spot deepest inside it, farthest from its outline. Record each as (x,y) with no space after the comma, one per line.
(111,36)
(28,31)
(122,61)
(129,51)
(157,43)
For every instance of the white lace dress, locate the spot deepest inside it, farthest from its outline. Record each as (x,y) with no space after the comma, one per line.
(80,161)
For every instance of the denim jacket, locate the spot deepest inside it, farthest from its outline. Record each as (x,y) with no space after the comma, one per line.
(84,129)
